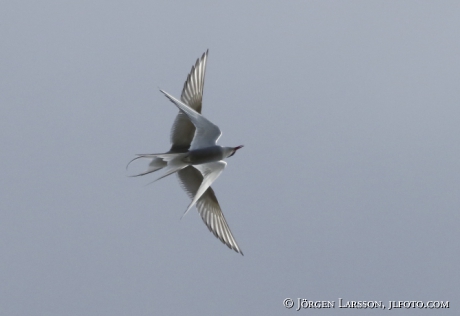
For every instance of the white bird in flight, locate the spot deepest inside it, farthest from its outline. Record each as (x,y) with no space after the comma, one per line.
(195,155)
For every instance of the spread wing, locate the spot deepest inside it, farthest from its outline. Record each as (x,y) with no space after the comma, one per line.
(208,206)
(183,130)
(207,133)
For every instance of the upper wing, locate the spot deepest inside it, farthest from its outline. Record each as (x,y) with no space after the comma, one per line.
(206,134)
(183,130)
(208,206)
(192,93)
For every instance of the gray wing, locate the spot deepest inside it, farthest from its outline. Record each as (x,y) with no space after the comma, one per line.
(208,206)
(183,130)
(207,133)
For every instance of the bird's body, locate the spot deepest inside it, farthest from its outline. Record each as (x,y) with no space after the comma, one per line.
(195,155)
(207,154)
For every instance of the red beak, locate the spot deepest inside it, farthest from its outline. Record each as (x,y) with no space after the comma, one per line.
(238,147)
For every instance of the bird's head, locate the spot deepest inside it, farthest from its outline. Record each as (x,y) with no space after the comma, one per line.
(233,150)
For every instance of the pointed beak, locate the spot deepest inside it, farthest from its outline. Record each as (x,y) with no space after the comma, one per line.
(234,150)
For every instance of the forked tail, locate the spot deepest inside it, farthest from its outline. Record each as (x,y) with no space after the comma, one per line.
(172,162)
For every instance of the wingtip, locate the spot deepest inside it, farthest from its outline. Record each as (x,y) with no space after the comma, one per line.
(237,249)
(186,211)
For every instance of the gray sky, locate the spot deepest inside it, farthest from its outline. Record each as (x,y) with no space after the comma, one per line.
(347,187)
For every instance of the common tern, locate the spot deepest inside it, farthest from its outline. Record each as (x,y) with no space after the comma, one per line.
(195,156)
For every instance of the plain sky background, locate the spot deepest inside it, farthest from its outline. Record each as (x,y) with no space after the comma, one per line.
(347,187)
